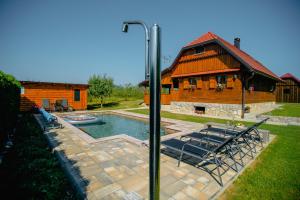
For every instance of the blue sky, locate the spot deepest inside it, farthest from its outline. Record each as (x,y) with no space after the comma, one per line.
(69,40)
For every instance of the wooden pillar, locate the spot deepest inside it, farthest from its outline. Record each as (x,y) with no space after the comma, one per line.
(243,95)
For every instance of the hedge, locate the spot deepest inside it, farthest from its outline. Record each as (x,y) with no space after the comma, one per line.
(9,104)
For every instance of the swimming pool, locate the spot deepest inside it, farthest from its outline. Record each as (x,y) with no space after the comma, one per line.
(111,124)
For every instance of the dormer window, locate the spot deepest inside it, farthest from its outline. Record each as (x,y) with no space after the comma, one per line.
(199,50)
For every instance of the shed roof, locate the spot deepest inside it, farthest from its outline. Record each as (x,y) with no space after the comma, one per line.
(290,76)
(23,83)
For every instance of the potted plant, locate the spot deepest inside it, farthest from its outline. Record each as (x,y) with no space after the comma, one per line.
(219,87)
(247,109)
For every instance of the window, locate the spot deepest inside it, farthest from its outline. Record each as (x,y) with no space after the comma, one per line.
(199,50)
(76,95)
(221,82)
(286,91)
(199,109)
(221,79)
(22,90)
(175,84)
(166,89)
(192,81)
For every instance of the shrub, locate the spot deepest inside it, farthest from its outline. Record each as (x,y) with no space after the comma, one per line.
(9,104)
(128,91)
(30,169)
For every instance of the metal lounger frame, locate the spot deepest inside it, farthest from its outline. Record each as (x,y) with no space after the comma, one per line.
(50,122)
(245,135)
(217,154)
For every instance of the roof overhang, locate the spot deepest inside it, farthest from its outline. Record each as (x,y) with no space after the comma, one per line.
(206,72)
(23,83)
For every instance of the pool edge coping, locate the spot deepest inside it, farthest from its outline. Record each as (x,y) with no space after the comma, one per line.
(90,140)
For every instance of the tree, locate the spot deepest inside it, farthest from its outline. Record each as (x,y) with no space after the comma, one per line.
(128,88)
(100,87)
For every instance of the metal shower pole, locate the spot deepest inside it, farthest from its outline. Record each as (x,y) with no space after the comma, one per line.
(154,160)
(152,62)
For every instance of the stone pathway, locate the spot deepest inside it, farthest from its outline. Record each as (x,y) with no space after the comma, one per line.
(281,120)
(118,168)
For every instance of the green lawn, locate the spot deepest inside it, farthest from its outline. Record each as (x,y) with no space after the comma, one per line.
(30,170)
(287,109)
(115,103)
(276,172)
(182,116)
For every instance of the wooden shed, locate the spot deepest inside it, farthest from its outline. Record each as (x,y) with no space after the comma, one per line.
(33,93)
(289,89)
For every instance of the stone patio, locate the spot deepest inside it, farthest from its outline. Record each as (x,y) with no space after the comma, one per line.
(117,168)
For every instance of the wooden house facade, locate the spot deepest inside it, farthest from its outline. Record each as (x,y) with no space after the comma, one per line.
(288,90)
(210,76)
(33,93)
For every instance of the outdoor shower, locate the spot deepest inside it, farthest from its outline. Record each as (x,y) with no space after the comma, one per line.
(147,41)
(152,66)
(125,27)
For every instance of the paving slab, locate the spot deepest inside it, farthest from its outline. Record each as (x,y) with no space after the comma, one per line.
(118,168)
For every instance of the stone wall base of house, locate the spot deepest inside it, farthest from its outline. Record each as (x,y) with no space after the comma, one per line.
(218,109)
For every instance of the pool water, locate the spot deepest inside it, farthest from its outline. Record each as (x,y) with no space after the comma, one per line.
(116,124)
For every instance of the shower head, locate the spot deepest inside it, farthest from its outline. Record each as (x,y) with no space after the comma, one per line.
(125,27)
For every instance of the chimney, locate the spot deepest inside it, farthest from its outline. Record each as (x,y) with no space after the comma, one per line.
(237,42)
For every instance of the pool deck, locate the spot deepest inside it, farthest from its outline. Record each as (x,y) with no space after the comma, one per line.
(117,167)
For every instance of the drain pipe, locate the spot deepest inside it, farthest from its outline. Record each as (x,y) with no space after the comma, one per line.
(244,83)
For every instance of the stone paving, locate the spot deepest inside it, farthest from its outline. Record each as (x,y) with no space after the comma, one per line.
(118,168)
(282,120)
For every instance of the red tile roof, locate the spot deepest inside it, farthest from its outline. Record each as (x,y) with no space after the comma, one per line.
(236,52)
(290,76)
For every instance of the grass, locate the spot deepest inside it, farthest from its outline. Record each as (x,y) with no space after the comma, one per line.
(275,174)
(287,109)
(185,117)
(114,103)
(30,170)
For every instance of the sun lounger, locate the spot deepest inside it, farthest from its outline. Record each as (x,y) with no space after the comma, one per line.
(229,130)
(217,154)
(244,141)
(50,120)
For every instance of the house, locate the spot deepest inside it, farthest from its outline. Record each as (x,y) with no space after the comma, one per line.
(289,89)
(33,93)
(212,76)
